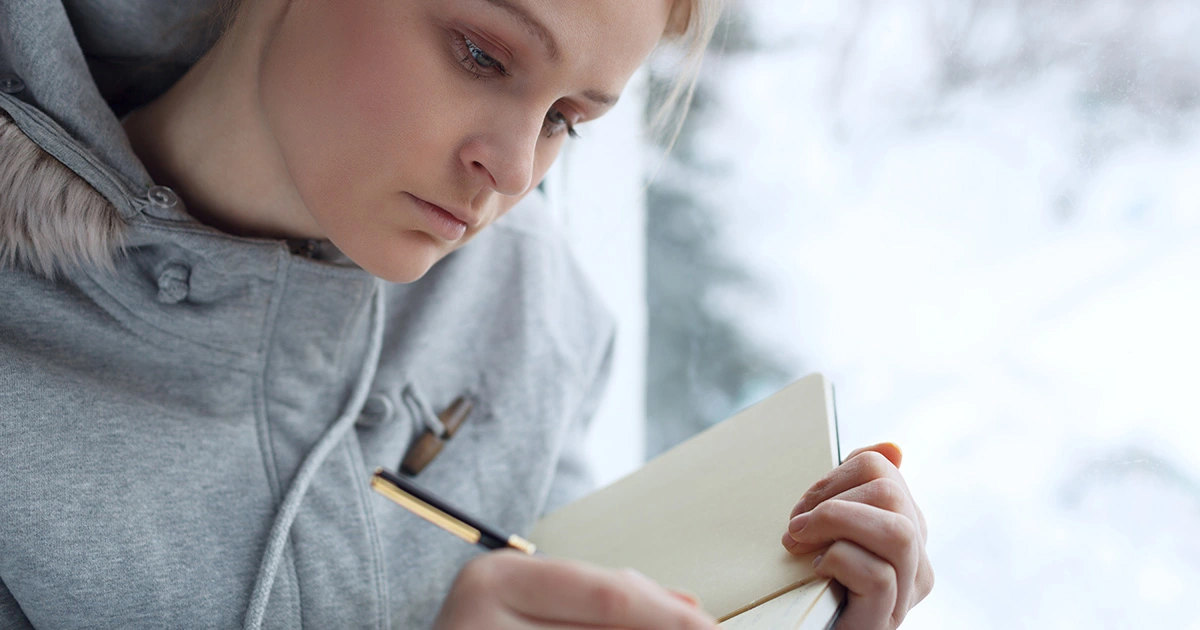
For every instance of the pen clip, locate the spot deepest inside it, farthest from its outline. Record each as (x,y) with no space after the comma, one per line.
(430,444)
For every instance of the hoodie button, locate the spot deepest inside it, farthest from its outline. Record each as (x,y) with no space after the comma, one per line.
(162,196)
(377,410)
(11,83)
(174,283)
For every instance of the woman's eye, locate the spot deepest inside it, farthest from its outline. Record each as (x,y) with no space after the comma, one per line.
(557,122)
(481,59)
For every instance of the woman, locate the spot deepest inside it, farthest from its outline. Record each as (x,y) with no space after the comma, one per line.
(187,426)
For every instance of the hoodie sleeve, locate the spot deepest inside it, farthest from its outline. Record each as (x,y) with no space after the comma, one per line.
(573,475)
(11,617)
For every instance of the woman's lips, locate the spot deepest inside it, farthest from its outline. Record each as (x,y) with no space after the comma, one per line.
(441,222)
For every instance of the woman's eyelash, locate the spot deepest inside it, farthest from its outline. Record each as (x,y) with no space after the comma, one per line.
(478,61)
(481,64)
(555,118)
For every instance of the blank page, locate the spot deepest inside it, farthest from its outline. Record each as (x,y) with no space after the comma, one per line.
(707,516)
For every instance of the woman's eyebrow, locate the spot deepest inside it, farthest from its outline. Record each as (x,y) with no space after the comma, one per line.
(522,15)
(599,97)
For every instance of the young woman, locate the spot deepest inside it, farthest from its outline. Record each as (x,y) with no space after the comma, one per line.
(234,287)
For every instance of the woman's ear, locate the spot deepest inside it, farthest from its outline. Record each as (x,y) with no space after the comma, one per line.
(679,17)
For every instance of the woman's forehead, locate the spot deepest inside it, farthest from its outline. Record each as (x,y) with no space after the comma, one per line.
(606,39)
(593,27)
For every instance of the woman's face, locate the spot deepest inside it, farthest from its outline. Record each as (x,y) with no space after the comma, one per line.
(407,126)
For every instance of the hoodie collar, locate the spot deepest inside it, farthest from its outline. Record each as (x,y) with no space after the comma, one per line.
(71,184)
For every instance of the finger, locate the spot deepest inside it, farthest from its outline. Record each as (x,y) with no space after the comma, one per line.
(887,535)
(690,598)
(890,450)
(921,522)
(870,582)
(863,492)
(888,494)
(570,592)
(863,467)
(924,580)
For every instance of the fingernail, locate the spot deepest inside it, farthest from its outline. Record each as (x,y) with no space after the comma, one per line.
(899,452)
(797,524)
(817,560)
(687,597)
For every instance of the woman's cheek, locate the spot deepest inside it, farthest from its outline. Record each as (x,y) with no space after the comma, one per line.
(348,91)
(388,79)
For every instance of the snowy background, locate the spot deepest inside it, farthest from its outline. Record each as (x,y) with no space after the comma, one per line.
(981,219)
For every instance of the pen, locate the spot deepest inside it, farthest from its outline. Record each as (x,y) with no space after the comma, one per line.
(424,504)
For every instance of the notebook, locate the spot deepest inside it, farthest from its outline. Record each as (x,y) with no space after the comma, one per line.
(707,516)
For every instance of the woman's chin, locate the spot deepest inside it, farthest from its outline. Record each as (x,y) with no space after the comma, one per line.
(402,259)
(401,275)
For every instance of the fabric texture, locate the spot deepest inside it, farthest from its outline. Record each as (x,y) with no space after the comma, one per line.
(155,415)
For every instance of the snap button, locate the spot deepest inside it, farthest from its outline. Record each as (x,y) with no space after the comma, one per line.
(174,283)
(11,83)
(376,410)
(162,196)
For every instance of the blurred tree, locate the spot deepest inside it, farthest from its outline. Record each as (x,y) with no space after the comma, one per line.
(701,367)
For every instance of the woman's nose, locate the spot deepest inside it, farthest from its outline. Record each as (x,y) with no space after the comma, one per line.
(504,156)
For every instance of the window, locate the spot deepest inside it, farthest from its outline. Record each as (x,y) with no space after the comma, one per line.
(981,219)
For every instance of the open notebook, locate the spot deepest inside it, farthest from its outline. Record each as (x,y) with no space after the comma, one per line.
(707,516)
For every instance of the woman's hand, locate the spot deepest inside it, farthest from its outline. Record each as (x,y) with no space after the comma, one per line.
(507,590)
(875,536)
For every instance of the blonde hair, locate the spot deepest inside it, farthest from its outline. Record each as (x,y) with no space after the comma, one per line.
(690,28)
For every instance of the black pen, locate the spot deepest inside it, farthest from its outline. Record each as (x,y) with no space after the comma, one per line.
(424,504)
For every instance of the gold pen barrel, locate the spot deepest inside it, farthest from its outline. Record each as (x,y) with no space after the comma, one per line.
(426,511)
(428,506)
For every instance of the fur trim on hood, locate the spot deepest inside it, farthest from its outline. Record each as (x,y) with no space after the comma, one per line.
(51,220)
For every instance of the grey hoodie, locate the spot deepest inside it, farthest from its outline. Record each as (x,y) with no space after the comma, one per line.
(187,426)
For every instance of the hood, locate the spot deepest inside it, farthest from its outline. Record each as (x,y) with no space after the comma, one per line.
(51,220)
(69,70)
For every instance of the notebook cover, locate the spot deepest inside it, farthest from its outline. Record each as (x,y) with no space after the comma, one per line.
(707,516)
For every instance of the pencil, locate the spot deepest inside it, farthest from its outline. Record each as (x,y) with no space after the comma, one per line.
(421,502)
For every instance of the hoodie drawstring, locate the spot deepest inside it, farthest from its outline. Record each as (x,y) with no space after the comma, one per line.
(290,507)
